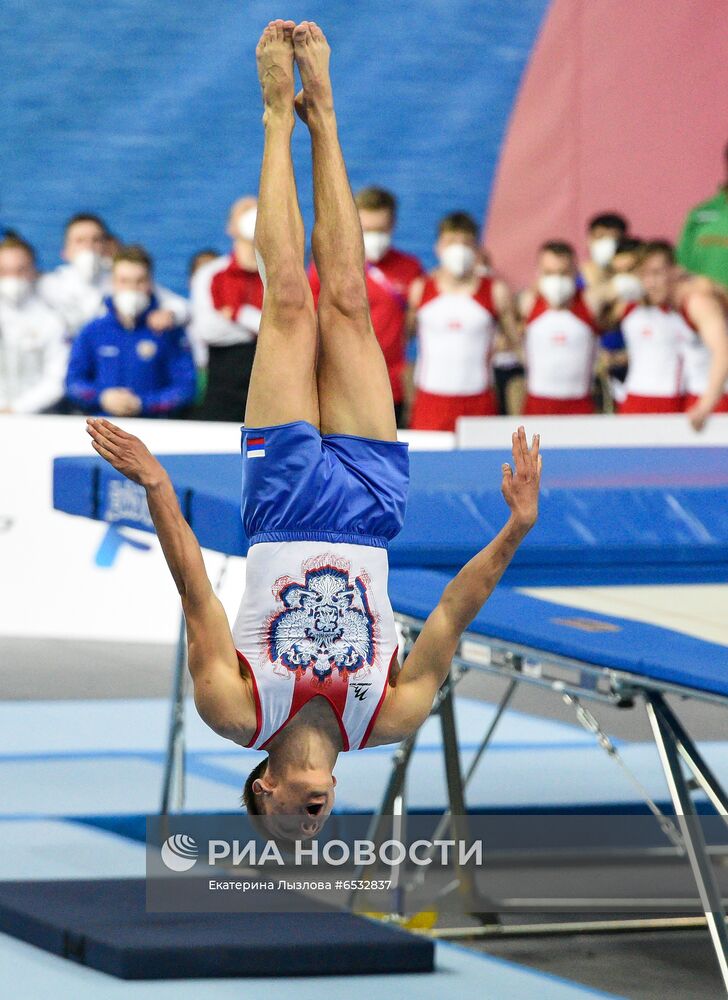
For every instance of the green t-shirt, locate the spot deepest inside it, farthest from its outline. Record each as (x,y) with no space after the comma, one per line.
(703,246)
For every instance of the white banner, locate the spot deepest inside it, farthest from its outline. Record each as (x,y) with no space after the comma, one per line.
(672,430)
(72,578)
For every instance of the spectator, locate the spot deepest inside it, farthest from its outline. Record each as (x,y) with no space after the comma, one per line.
(390,274)
(33,349)
(625,286)
(671,324)
(76,289)
(112,246)
(197,260)
(227,299)
(561,336)
(199,347)
(703,246)
(508,371)
(603,234)
(457,311)
(120,365)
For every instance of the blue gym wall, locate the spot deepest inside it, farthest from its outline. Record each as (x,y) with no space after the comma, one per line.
(148,111)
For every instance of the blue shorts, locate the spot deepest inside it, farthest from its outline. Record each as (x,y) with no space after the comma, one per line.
(300,485)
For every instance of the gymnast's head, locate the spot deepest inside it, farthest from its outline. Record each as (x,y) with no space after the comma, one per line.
(290,801)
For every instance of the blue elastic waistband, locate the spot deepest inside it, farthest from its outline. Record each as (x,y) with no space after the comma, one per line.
(333,537)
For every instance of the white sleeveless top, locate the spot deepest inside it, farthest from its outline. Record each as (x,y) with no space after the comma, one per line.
(655,339)
(315,620)
(561,346)
(455,336)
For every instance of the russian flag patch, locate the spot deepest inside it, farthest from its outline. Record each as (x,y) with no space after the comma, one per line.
(255,447)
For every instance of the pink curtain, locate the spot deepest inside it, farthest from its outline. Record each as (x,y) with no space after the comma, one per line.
(622,107)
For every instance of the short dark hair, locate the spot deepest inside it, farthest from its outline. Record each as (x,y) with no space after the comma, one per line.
(629,244)
(458,222)
(664,247)
(13,242)
(196,258)
(609,220)
(135,253)
(374,199)
(86,217)
(559,247)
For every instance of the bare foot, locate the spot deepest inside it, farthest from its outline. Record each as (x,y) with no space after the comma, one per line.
(274,54)
(312,54)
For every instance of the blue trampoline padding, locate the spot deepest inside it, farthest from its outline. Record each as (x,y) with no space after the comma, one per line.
(645,650)
(103,923)
(607,515)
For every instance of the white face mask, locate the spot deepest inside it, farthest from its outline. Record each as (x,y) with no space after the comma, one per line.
(376,244)
(458,259)
(14,289)
(557,289)
(627,287)
(246,225)
(602,250)
(88,264)
(130,303)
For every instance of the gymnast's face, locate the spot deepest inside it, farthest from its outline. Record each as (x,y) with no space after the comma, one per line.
(655,273)
(296,804)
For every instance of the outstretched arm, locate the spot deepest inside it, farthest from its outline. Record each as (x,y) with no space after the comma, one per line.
(708,315)
(220,694)
(428,664)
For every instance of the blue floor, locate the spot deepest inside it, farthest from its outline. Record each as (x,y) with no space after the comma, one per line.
(65,759)
(35,849)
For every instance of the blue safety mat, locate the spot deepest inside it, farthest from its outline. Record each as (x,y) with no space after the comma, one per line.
(602,640)
(610,515)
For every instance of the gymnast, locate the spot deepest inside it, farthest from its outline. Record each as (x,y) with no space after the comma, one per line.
(310,668)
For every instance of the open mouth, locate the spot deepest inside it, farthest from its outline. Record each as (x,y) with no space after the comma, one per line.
(314,808)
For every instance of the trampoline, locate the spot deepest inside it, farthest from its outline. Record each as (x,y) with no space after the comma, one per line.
(608,516)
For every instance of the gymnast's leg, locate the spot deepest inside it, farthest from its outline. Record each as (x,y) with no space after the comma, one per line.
(283,382)
(354,391)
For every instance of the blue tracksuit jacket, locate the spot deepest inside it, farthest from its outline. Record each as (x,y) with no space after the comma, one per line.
(157,367)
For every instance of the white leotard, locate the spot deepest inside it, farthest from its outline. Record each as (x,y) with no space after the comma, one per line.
(315,620)
(455,335)
(560,350)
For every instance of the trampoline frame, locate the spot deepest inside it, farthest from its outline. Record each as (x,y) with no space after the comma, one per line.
(576,679)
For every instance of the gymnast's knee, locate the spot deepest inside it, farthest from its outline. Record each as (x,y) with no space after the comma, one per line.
(345,296)
(288,290)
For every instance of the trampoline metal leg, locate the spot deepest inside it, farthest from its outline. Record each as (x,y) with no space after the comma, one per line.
(695,761)
(459,826)
(708,889)
(485,743)
(390,807)
(173,790)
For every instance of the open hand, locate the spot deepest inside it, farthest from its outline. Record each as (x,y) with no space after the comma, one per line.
(125,452)
(520,488)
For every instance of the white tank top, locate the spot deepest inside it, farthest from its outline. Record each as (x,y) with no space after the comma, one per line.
(655,338)
(315,619)
(455,335)
(561,346)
